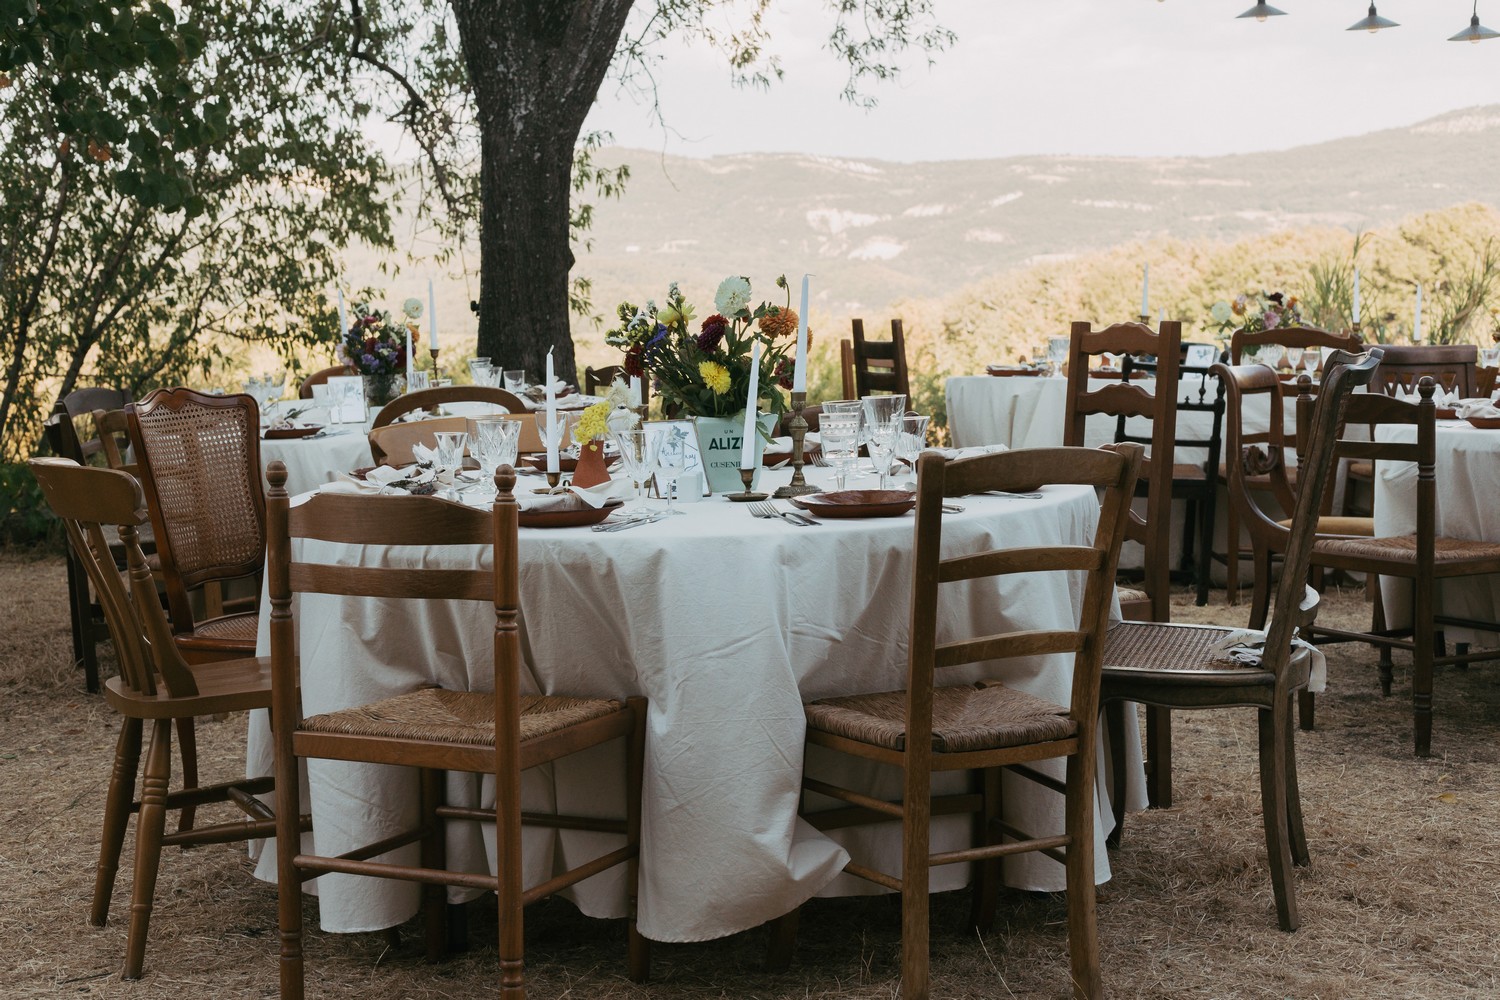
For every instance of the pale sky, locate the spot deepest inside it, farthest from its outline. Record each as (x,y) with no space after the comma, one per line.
(1112,77)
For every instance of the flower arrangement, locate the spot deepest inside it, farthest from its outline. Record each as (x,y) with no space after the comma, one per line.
(1257,311)
(706,372)
(375,344)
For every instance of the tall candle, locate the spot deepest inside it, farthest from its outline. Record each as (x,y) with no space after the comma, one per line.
(431,318)
(747,442)
(551,434)
(1146,290)
(408,356)
(799,380)
(1356,296)
(1416,323)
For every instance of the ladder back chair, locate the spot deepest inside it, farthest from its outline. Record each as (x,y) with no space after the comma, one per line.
(1422,556)
(1185,667)
(984,727)
(1307,338)
(499,733)
(61,433)
(199,458)
(846,368)
(155,685)
(1451,366)
(879,365)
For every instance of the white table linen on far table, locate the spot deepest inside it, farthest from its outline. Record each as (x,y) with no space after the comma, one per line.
(312,461)
(1468,506)
(726,623)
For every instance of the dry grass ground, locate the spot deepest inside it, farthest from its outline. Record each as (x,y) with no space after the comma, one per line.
(1400,899)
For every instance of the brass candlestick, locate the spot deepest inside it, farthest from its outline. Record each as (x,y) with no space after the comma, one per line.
(747,476)
(434,352)
(1145,319)
(798,486)
(553,478)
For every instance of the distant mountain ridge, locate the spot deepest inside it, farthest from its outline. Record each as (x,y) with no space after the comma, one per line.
(876,231)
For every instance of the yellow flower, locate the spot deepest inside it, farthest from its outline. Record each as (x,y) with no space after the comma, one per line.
(593,423)
(715,376)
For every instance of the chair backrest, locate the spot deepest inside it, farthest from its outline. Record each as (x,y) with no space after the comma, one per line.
(1199,390)
(321,377)
(595,379)
(112,428)
(427,398)
(879,365)
(1112,469)
(846,367)
(199,458)
(61,429)
(393,443)
(88,501)
(1484,381)
(1251,454)
(410,521)
(1450,365)
(1131,399)
(1306,337)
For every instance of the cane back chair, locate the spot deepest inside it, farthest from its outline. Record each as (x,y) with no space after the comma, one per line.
(156,685)
(982,728)
(1187,667)
(498,734)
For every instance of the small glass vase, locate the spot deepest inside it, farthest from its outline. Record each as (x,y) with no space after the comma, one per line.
(383,389)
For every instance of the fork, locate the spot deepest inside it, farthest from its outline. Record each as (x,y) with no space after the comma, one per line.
(765,508)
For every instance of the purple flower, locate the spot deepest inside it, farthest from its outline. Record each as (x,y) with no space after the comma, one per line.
(1271,319)
(369,360)
(713,329)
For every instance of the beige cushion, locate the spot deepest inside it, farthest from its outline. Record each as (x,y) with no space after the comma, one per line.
(466,717)
(1337,525)
(981,717)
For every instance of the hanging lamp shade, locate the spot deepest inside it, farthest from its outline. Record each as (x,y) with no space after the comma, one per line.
(1262,10)
(1475,32)
(1373,22)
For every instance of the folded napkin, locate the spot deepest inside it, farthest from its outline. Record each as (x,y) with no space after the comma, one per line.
(423,454)
(1247,645)
(979,449)
(1477,408)
(573,498)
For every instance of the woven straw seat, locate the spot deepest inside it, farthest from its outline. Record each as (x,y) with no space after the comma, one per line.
(1131,594)
(233,628)
(964,718)
(467,717)
(1404,548)
(1145,646)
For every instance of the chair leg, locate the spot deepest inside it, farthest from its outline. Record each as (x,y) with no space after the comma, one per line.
(149,829)
(1273,794)
(1114,723)
(288,877)
(512,929)
(433,855)
(1159,757)
(1083,930)
(116,817)
(1305,709)
(915,916)
(783,941)
(187,743)
(1377,624)
(638,948)
(986,893)
(1424,638)
(1296,834)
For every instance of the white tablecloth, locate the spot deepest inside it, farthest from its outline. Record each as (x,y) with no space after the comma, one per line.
(1468,506)
(726,623)
(312,461)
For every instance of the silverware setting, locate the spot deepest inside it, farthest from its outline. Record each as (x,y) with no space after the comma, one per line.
(630,521)
(767,509)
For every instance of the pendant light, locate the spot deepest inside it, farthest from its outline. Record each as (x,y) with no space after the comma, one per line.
(1263,10)
(1475,32)
(1373,22)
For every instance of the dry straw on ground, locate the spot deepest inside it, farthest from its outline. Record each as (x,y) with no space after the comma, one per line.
(1400,899)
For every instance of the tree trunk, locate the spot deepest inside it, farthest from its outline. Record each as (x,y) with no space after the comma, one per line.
(536,67)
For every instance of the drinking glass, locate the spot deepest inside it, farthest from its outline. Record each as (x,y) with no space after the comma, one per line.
(636,457)
(1489,357)
(450,448)
(515,380)
(1310,359)
(839,435)
(475,363)
(912,440)
(420,379)
(496,442)
(1294,358)
(1057,355)
(883,427)
(668,460)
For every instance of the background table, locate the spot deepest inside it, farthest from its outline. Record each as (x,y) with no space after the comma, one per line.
(1468,506)
(726,623)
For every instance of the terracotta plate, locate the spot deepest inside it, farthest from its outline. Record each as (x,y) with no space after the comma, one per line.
(858,503)
(1486,423)
(567,518)
(1447,413)
(1006,370)
(284,433)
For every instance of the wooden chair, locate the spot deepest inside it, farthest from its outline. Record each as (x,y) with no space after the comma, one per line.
(393,443)
(426,399)
(1199,391)
(1154,531)
(846,368)
(879,366)
(1424,557)
(61,432)
(1179,666)
(987,726)
(497,734)
(1451,366)
(154,685)
(1306,338)
(1484,381)
(199,458)
(321,377)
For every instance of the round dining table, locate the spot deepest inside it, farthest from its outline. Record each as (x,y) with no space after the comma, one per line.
(726,623)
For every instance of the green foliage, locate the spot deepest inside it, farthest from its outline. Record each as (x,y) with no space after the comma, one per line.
(25,519)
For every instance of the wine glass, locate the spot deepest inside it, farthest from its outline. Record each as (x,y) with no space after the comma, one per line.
(497,438)
(883,423)
(1310,360)
(474,365)
(1057,355)
(838,435)
(668,460)
(912,440)
(635,454)
(450,448)
(1294,358)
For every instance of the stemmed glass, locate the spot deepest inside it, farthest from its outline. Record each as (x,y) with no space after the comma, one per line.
(1057,355)
(883,424)
(1310,359)
(635,454)
(668,459)
(838,434)
(912,440)
(1294,358)
(450,448)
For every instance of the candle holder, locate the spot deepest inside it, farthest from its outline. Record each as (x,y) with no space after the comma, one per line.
(798,426)
(1145,319)
(553,478)
(747,476)
(434,352)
